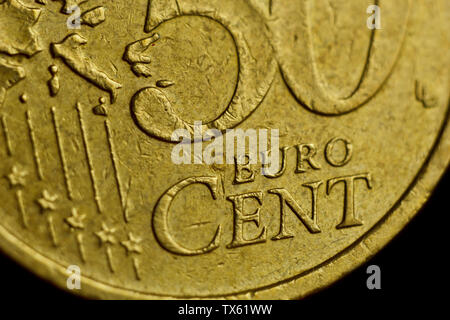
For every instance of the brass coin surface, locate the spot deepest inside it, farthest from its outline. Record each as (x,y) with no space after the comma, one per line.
(92,92)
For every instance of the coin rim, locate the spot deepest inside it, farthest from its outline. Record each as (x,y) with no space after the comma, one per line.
(304,283)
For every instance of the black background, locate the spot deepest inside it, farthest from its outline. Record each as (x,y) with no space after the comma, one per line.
(413,267)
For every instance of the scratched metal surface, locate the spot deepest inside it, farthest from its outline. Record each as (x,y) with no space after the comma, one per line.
(87,115)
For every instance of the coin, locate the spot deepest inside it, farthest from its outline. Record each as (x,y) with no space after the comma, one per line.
(122,127)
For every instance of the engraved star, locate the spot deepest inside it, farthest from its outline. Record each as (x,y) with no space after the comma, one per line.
(76,220)
(132,245)
(17,176)
(106,235)
(47,202)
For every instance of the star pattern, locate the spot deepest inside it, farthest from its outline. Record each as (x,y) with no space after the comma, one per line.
(76,220)
(132,245)
(47,201)
(17,176)
(106,235)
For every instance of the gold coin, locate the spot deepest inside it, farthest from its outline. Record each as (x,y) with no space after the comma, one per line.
(312,132)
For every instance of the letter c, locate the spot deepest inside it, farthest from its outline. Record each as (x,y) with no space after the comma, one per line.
(161,218)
